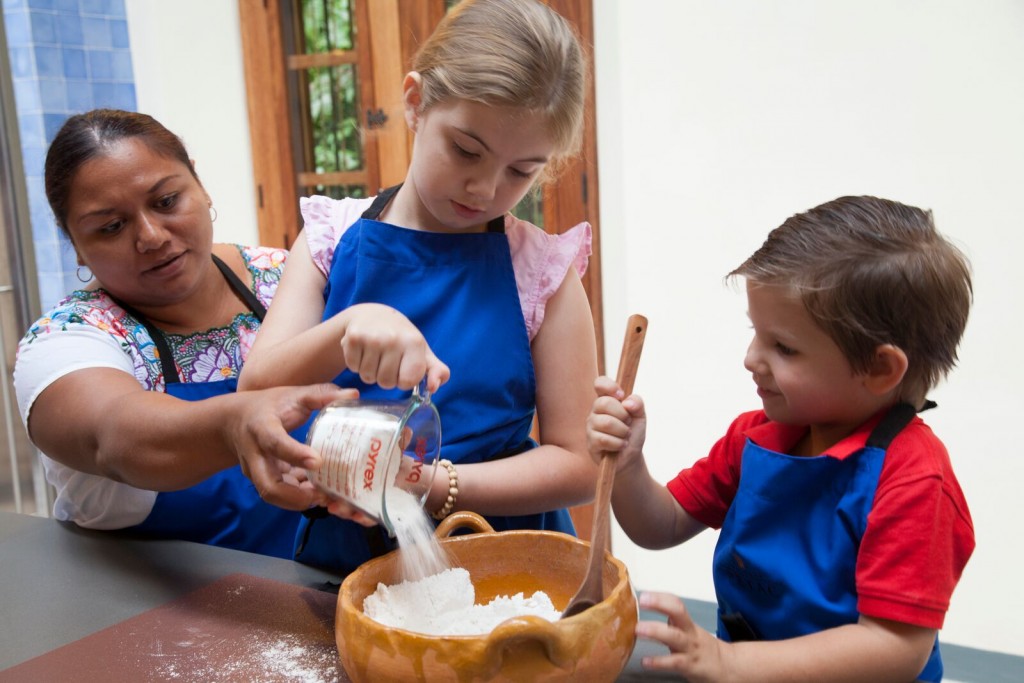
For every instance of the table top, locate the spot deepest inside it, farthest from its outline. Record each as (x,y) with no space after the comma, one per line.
(61,583)
(67,592)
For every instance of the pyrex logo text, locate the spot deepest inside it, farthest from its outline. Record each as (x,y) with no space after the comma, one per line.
(371,464)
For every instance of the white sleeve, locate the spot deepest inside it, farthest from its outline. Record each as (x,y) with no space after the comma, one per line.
(88,500)
(50,356)
(95,502)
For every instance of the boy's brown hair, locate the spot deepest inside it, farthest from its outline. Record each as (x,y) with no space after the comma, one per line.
(873,271)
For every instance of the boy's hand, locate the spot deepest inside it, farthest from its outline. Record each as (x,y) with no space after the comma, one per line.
(617,424)
(693,652)
(383,347)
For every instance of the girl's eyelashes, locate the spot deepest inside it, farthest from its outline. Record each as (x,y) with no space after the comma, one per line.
(473,156)
(520,174)
(463,152)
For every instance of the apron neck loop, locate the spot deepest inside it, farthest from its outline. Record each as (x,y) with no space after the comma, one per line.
(382,200)
(496,225)
(898,417)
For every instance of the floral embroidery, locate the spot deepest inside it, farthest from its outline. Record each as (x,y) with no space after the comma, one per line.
(211,356)
(212,365)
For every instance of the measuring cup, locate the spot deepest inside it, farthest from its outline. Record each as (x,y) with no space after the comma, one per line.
(369,448)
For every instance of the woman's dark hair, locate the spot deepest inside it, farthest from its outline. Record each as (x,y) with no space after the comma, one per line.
(84,137)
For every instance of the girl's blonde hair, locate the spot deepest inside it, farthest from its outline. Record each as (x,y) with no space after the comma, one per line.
(509,53)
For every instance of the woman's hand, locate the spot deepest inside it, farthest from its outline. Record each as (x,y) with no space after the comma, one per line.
(383,347)
(269,456)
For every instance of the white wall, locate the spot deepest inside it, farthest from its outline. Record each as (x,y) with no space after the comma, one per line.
(187,58)
(719,120)
(716,121)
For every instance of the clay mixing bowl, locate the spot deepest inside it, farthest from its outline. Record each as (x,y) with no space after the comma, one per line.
(591,646)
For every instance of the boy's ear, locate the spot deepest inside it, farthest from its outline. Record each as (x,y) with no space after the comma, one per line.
(887,369)
(412,98)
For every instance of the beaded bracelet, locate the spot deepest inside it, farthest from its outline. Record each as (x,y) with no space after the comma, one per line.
(453,490)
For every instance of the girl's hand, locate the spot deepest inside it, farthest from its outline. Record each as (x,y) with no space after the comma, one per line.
(383,347)
(693,652)
(617,424)
(341,508)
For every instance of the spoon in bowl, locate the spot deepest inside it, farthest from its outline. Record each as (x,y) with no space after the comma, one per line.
(591,591)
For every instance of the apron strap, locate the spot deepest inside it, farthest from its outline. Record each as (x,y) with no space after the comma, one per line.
(373,213)
(898,417)
(243,292)
(377,539)
(164,349)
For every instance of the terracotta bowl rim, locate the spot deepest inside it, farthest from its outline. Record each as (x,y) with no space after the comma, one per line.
(622,584)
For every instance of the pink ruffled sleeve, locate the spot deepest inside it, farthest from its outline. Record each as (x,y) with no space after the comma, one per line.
(541,261)
(325,221)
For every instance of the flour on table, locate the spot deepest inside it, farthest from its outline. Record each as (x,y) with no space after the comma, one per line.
(443,604)
(280,658)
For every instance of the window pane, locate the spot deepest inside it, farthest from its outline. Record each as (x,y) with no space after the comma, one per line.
(333,119)
(336,191)
(327,25)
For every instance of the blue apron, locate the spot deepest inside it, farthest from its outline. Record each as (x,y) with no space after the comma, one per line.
(460,291)
(225,509)
(785,561)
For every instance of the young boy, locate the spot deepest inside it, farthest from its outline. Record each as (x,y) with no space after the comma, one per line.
(843,528)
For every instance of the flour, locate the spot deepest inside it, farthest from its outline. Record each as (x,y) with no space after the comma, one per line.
(420,552)
(443,604)
(281,658)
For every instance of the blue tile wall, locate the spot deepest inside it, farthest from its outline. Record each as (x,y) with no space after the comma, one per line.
(67,56)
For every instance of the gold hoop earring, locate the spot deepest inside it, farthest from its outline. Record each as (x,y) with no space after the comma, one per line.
(78,273)
(213,213)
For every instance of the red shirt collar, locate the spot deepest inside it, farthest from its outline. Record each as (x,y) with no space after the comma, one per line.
(781,438)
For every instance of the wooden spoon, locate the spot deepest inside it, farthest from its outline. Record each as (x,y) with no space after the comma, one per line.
(592,590)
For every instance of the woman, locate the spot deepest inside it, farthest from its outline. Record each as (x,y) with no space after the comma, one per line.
(128,385)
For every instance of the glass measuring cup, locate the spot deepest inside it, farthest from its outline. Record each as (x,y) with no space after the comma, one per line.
(369,448)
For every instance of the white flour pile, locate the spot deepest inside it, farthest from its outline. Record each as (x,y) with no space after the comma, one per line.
(443,605)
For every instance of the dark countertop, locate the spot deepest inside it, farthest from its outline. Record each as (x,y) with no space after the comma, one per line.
(63,587)
(70,595)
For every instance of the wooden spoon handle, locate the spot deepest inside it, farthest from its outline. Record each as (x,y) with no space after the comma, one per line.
(632,345)
(591,591)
